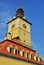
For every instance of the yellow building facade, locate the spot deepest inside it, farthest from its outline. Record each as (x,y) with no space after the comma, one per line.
(9,61)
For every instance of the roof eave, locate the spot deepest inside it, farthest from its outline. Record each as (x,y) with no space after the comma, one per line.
(21,18)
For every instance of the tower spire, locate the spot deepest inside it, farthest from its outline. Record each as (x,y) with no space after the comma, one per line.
(20,12)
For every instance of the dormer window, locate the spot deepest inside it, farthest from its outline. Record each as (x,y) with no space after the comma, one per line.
(16,50)
(22,53)
(39,59)
(36,57)
(30,56)
(10,49)
(26,54)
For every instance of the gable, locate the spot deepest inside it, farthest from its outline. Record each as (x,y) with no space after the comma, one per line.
(21,18)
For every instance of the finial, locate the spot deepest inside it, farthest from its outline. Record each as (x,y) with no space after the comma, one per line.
(20,12)
(20,6)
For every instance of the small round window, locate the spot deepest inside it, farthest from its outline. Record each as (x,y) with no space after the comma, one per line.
(13,25)
(24,25)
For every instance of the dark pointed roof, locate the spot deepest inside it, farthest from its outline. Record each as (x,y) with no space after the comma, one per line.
(20,12)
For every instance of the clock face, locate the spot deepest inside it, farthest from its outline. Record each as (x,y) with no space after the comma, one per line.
(13,25)
(24,25)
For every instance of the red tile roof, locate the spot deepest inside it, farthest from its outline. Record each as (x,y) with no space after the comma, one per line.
(15,43)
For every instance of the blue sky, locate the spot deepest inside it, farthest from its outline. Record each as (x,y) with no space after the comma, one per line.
(34,12)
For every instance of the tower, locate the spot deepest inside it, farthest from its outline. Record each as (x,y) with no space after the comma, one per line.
(17,49)
(19,28)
